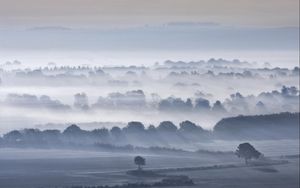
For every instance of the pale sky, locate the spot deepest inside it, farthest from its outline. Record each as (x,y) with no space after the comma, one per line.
(103,13)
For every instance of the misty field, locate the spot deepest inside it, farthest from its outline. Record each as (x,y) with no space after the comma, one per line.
(65,168)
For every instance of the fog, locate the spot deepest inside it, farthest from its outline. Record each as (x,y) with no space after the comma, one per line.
(203,91)
(133,93)
(78,123)
(35,58)
(64,124)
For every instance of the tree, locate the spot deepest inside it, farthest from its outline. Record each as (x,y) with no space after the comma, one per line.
(190,127)
(13,136)
(81,101)
(218,107)
(140,161)
(167,126)
(247,151)
(202,104)
(134,127)
(73,130)
(116,132)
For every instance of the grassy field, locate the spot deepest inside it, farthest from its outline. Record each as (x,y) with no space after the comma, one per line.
(56,168)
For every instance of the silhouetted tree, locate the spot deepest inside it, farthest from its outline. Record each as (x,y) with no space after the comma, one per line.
(134,127)
(175,104)
(218,107)
(202,104)
(13,136)
(247,151)
(116,132)
(167,126)
(188,126)
(140,161)
(73,130)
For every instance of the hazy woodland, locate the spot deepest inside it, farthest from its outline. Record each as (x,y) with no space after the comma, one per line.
(199,111)
(135,94)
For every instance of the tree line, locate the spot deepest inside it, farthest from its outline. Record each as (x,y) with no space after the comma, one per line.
(274,126)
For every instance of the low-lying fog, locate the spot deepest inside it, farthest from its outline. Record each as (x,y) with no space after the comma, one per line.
(203,91)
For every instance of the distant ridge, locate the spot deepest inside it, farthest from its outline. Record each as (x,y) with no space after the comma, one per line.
(50,28)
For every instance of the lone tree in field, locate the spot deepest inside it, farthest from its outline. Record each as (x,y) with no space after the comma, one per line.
(248,152)
(140,161)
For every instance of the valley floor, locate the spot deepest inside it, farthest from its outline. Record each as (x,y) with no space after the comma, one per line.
(55,168)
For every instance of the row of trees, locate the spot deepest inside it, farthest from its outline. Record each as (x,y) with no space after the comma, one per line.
(274,126)
(244,150)
(236,104)
(271,126)
(134,133)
